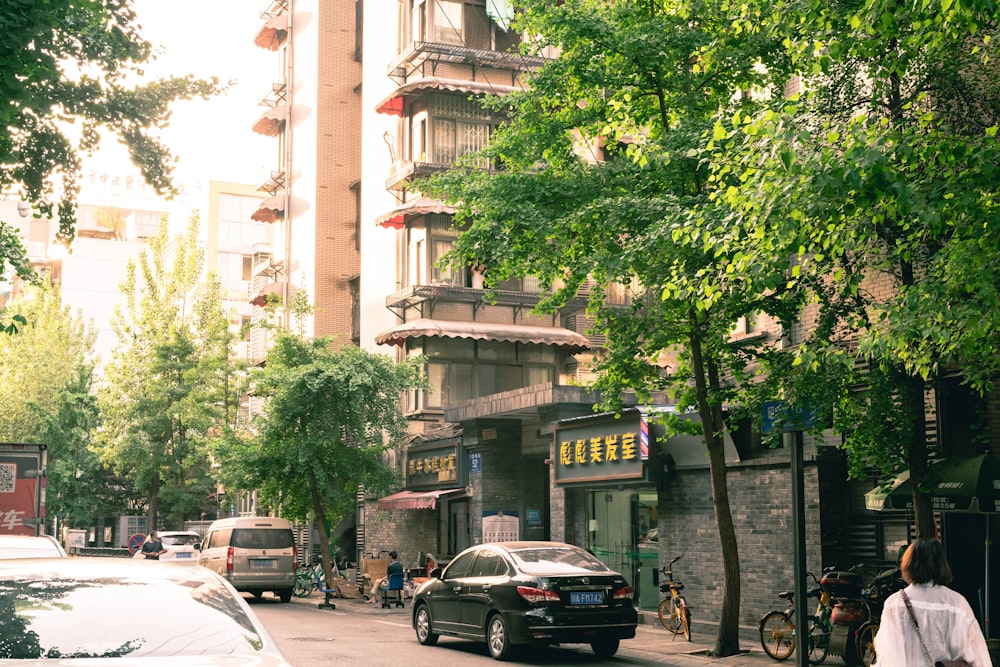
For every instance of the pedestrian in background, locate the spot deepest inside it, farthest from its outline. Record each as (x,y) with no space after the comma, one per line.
(152,548)
(927,622)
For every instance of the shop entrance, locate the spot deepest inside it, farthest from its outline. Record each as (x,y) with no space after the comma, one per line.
(622,532)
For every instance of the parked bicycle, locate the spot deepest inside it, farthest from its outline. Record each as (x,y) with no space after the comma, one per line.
(673,611)
(308,577)
(777,628)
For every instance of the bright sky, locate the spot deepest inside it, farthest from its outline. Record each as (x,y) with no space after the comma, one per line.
(212,140)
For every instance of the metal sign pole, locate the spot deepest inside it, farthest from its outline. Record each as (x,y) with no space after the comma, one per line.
(799,524)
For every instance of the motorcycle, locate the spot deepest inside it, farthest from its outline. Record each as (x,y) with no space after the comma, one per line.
(856,611)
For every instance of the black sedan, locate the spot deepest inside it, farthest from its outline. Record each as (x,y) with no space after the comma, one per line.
(526,593)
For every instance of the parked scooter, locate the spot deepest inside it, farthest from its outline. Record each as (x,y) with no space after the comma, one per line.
(856,611)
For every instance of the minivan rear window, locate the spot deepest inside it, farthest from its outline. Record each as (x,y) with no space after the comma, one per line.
(262,538)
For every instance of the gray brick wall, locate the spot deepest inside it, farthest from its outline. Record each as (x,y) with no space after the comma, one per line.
(761,501)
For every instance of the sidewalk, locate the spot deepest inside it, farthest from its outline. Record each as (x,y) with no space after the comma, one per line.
(652,643)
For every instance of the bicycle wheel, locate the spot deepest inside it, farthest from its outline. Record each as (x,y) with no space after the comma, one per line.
(304,586)
(777,635)
(667,613)
(819,642)
(866,643)
(685,617)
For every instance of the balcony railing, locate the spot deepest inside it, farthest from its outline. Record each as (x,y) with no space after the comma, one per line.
(419,296)
(420,52)
(404,172)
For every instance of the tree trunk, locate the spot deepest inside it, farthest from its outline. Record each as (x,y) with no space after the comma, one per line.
(152,500)
(706,379)
(324,539)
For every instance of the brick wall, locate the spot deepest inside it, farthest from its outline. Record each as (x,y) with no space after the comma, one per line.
(761,501)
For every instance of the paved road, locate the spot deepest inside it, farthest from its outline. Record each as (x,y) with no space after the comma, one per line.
(358,633)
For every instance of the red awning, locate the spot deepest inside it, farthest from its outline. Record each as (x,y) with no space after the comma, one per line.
(273,33)
(260,299)
(511,333)
(416,500)
(393,104)
(272,122)
(271,209)
(397,217)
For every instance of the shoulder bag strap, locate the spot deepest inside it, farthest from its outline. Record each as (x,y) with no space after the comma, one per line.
(916,626)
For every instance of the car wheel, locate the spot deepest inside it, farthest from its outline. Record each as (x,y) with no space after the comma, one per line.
(285,594)
(422,624)
(497,638)
(605,647)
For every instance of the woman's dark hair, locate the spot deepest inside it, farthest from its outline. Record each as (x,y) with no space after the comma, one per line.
(924,562)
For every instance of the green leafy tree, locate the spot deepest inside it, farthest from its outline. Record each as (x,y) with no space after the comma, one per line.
(599,179)
(169,381)
(67,70)
(50,362)
(329,417)
(878,186)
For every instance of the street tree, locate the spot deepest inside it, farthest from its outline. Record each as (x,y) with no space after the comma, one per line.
(330,415)
(599,178)
(877,187)
(51,364)
(169,381)
(69,73)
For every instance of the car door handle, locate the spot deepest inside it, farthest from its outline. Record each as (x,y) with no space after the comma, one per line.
(457,589)
(486,588)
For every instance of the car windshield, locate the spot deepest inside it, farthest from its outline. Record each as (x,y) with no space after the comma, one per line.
(555,560)
(63,617)
(180,540)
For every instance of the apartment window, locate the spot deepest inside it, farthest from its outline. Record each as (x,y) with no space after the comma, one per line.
(446,274)
(455,138)
(460,370)
(448,22)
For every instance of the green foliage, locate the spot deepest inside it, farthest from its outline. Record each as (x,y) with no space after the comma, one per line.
(330,416)
(66,68)
(171,380)
(878,185)
(49,361)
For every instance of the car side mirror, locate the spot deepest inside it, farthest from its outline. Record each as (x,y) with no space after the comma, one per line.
(197,547)
(436,573)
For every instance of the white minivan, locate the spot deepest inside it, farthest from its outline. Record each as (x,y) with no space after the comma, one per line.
(255,554)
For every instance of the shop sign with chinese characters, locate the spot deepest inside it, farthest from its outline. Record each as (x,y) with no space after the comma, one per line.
(432,466)
(601,448)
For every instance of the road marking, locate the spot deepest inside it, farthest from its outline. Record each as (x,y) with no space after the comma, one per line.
(398,625)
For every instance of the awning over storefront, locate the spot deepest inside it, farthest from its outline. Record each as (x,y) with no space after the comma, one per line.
(510,333)
(416,500)
(393,104)
(272,122)
(271,209)
(273,33)
(396,218)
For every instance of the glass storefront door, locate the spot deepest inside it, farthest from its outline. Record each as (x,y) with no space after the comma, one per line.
(622,532)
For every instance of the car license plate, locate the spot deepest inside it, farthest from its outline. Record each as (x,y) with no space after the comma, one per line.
(586,597)
(264,563)
(183,554)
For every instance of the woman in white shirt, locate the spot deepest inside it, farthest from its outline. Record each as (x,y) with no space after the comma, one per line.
(948,626)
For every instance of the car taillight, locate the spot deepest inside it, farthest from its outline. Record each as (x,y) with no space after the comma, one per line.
(623,593)
(229,559)
(295,558)
(534,595)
